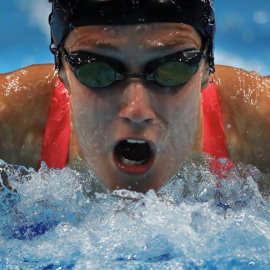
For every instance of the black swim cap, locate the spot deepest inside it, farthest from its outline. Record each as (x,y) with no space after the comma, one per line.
(68,14)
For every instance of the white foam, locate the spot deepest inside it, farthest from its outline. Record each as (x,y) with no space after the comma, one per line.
(179,228)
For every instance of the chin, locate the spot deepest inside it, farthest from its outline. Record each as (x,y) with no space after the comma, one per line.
(139,183)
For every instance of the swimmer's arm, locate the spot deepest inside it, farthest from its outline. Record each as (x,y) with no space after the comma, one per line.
(24,103)
(245,103)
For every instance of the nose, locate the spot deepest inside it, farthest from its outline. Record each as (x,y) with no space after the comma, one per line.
(137,104)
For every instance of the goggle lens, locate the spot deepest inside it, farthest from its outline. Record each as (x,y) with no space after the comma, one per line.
(96,74)
(171,74)
(98,71)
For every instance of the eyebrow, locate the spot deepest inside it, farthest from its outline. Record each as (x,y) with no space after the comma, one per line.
(99,44)
(177,35)
(163,46)
(171,42)
(156,45)
(148,45)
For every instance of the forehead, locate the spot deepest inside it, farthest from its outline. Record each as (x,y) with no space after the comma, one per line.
(149,36)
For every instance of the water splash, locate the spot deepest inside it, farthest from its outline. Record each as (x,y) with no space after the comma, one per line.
(251,90)
(197,221)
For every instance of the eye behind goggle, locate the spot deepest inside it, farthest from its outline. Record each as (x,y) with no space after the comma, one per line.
(97,74)
(172,74)
(174,69)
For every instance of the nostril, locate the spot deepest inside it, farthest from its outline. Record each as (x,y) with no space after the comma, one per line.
(137,112)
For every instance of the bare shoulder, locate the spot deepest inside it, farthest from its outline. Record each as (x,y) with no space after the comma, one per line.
(245,101)
(24,103)
(234,79)
(27,83)
(243,91)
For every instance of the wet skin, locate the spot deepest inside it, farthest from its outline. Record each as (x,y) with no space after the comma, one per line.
(168,119)
(25,97)
(134,108)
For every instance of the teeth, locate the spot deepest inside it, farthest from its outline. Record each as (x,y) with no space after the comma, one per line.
(132,162)
(136,141)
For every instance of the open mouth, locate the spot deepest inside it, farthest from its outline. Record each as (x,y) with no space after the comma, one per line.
(133,156)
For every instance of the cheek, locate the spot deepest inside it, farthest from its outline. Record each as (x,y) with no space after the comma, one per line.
(91,114)
(184,115)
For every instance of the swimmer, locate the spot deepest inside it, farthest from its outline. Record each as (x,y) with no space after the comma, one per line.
(133,95)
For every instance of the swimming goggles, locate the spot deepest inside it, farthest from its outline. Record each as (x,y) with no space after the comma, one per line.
(97,71)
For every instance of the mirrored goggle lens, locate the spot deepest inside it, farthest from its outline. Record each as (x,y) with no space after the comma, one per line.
(96,74)
(172,74)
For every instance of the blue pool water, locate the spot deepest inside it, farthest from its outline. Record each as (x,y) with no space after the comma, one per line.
(190,224)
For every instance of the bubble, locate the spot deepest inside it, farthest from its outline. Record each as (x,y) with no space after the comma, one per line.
(261,17)
(196,221)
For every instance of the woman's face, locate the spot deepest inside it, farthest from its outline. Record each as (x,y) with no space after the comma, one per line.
(135,134)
